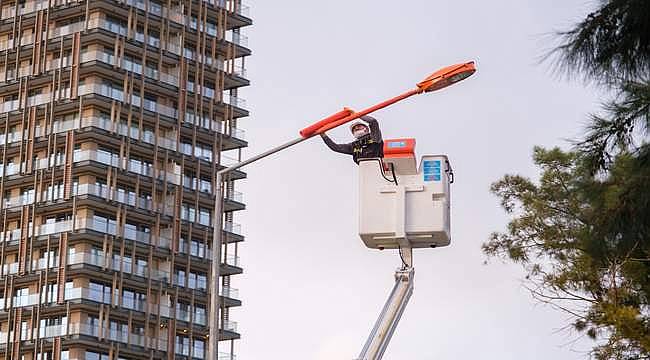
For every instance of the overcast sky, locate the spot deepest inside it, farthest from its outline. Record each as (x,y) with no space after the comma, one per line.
(310,288)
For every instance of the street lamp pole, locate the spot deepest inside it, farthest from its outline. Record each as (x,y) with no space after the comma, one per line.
(438,80)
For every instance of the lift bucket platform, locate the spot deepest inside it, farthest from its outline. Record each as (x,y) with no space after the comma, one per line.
(415,212)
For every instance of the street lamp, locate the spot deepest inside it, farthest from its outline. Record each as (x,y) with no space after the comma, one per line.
(440,79)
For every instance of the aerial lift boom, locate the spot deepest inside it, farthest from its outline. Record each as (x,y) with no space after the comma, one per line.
(390,315)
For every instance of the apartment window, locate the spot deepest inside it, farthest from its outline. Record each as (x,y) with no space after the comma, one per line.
(48,258)
(205,217)
(54,192)
(11,97)
(148,135)
(140,166)
(183,345)
(182,245)
(150,102)
(50,292)
(100,292)
(199,314)
(70,20)
(137,330)
(154,38)
(151,69)
(100,188)
(20,292)
(116,25)
(27,195)
(120,329)
(34,92)
(57,158)
(90,355)
(180,278)
(53,326)
(96,255)
(123,262)
(195,280)
(129,299)
(130,231)
(94,324)
(183,311)
(65,355)
(126,196)
(188,212)
(111,90)
(198,348)
(104,224)
(51,219)
(64,61)
(130,64)
(24,335)
(141,266)
(54,321)
(155,7)
(197,249)
(7,198)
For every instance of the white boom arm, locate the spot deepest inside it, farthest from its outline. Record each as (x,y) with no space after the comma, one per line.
(390,315)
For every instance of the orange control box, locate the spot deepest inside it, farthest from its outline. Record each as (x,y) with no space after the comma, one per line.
(399,148)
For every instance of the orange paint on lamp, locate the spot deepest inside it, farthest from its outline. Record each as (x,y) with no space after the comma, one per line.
(447,76)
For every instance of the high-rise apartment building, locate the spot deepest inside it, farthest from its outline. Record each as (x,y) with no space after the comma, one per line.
(114,117)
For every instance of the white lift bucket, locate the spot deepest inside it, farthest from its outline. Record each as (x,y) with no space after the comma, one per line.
(414,213)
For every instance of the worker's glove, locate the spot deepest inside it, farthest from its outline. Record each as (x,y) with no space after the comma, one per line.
(368,118)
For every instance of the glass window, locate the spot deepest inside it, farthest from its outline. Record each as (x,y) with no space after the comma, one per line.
(182,345)
(198,350)
(180,277)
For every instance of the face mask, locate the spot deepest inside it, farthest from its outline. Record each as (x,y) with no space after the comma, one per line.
(359,133)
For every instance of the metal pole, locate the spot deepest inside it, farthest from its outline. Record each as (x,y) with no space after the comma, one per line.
(214,323)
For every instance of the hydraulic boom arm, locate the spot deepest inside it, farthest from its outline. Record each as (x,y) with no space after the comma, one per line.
(390,315)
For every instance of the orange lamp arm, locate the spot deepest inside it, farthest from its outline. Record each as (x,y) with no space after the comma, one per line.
(356,115)
(310,130)
(438,80)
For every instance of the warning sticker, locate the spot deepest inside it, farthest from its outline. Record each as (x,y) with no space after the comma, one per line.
(432,170)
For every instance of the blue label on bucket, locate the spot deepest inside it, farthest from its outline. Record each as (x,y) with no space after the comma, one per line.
(396,144)
(432,170)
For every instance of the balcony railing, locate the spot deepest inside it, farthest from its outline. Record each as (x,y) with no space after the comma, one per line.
(105,297)
(229,292)
(233,260)
(105,227)
(119,265)
(237,38)
(232,227)
(229,325)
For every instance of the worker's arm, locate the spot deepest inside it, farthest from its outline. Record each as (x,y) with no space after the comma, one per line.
(340,148)
(375,132)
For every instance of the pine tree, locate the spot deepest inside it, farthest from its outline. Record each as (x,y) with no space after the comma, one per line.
(583,232)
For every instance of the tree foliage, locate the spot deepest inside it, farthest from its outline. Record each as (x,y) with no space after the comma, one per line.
(583,241)
(611,45)
(582,232)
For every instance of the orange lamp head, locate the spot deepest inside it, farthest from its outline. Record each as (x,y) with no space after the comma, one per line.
(447,76)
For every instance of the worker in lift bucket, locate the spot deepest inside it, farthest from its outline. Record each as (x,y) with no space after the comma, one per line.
(368,143)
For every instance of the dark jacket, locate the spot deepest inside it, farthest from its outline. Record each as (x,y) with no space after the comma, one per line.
(368,146)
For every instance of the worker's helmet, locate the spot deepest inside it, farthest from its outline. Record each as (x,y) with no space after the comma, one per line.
(359,129)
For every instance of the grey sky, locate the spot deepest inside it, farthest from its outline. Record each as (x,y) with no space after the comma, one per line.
(311,290)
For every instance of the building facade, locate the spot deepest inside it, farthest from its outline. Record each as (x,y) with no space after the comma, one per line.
(115,116)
